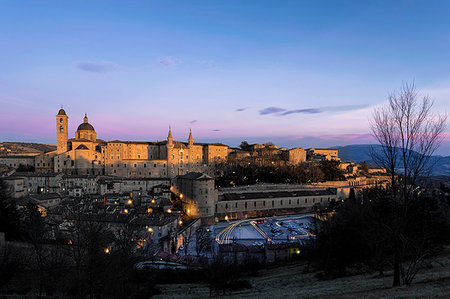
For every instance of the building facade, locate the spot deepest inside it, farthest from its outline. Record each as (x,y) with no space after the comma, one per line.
(85,154)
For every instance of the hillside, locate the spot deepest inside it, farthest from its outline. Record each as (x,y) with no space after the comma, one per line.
(362,152)
(18,148)
(290,281)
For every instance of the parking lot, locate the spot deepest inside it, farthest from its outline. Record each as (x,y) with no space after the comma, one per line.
(258,231)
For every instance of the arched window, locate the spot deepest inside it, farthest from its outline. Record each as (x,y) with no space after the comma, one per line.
(61,129)
(91,136)
(85,136)
(61,120)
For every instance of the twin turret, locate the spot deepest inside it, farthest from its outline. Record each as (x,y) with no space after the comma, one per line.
(170,139)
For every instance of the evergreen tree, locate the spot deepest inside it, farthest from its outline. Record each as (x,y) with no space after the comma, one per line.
(9,215)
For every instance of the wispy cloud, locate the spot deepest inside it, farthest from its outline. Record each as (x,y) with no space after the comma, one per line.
(168,61)
(193,121)
(216,130)
(241,109)
(98,67)
(283,112)
(307,111)
(271,110)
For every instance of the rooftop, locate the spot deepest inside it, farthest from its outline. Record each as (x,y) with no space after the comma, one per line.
(280,194)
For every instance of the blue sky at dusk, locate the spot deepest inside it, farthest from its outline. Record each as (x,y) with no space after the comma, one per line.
(297,73)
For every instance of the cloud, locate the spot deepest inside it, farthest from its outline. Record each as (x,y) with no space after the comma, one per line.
(241,109)
(216,130)
(307,111)
(277,110)
(168,61)
(270,110)
(98,67)
(193,121)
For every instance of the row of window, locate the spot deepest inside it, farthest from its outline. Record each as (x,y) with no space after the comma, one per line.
(135,165)
(273,202)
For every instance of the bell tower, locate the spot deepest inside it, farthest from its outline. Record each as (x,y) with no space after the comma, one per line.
(62,127)
(190,139)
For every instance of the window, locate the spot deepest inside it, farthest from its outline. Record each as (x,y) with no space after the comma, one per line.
(134,165)
(154,165)
(139,156)
(281,202)
(306,200)
(226,206)
(145,165)
(289,201)
(246,205)
(273,203)
(298,200)
(61,129)
(264,203)
(254,203)
(61,120)
(235,205)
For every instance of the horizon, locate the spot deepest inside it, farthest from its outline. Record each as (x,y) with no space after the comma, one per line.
(297,74)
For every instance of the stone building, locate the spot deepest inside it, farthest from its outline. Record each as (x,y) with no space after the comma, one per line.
(88,155)
(201,200)
(198,195)
(323,153)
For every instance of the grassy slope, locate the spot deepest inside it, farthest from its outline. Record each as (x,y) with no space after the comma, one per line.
(288,281)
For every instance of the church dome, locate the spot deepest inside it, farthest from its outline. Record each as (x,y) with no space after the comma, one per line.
(85,127)
(61,112)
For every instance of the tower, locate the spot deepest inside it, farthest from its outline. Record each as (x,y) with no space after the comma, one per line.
(62,127)
(190,139)
(170,139)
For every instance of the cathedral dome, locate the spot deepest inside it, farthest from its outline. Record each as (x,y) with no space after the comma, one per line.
(85,127)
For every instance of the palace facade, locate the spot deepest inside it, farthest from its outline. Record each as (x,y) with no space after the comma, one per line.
(88,155)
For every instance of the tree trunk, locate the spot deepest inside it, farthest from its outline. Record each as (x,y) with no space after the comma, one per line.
(396,281)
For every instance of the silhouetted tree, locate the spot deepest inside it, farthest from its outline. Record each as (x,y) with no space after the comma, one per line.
(245,146)
(409,133)
(9,215)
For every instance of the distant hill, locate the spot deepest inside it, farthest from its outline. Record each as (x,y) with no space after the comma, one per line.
(361,152)
(25,147)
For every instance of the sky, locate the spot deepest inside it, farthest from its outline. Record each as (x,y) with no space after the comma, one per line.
(296,73)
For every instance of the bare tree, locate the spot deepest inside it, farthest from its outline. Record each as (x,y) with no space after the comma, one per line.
(409,133)
(202,240)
